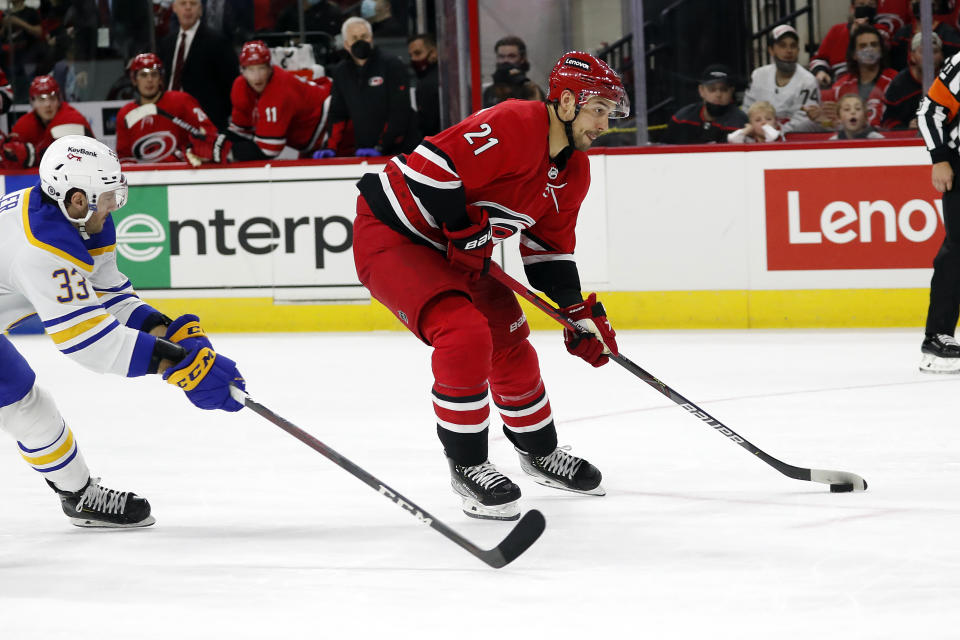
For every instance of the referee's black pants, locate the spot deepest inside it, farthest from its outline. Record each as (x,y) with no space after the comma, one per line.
(945,284)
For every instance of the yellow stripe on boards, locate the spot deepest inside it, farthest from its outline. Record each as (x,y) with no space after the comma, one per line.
(61,451)
(738,309)
(60,337)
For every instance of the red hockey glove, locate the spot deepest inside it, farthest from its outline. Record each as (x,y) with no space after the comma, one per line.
(594,348)
(19,152)
(202,147)
(470,249)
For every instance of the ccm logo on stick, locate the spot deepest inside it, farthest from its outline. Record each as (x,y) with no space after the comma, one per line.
(404,505)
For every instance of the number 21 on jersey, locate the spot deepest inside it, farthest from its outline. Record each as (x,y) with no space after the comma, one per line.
(484,132)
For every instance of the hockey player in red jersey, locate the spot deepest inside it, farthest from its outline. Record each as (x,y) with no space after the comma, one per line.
(51,118)
(423,238)
(6,93)
(272,108)
(159,126)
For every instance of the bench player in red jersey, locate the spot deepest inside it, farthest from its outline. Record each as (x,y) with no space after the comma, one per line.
(423,237)
(159,126)
(51,118)
(272,108)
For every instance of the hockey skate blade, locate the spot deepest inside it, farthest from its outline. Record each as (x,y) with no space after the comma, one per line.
(930,363)
(839,481)
(547,482)
(474,509)
(87,523)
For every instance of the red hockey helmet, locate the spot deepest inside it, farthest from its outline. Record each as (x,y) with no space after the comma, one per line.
(254,52)
(587,76)
(44,85)
(144,61)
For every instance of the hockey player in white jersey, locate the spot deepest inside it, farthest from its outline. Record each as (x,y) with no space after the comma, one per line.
(57,260)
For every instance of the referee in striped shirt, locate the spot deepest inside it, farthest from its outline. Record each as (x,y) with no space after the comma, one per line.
(938,123)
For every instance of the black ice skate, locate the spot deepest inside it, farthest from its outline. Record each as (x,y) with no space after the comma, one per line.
(487,494)
(941,354)
(561,470)
(96,506)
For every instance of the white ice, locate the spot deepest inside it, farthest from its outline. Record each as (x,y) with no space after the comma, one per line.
(259,536)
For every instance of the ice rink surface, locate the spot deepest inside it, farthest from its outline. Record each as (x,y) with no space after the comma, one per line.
(258,536)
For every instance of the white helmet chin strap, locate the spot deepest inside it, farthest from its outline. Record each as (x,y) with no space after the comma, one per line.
(80,223)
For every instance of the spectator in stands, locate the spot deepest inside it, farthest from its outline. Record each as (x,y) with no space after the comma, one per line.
(51,118)
(23,43)
(160,125)
(867,75)
(900,43)
(380,15)
(852,113)
(371,92)
(891,15)
(232,19)
(272,108)
(510,78)
(761,127)
(128,27)
(318,15)
(830,60)
(423,59)
(902,97)
(201,62)
(714,117)
(791,89)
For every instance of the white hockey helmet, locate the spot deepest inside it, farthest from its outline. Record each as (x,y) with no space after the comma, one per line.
(79,162)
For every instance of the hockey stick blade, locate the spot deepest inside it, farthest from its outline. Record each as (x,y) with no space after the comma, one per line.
(839,481)
(520,538)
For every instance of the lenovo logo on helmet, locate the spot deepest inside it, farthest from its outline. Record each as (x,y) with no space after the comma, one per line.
(574,62)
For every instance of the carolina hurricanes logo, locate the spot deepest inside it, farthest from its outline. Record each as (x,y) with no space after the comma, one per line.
(73,156)
(376,81)
(154,146)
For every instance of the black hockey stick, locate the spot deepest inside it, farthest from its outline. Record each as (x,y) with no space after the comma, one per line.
(523,534)
(839,481)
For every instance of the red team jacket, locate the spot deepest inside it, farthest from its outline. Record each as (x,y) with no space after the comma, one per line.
(848,83)
(67,121)
(161,132)
(496,160)
(291,111)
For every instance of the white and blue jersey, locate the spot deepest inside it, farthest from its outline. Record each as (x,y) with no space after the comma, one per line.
(87,306)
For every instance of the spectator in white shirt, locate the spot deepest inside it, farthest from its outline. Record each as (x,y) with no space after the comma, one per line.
(791,89)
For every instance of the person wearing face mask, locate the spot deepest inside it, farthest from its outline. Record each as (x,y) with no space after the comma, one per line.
(900,43)
(902,97)
(371,95)
(510,77)
(423,60)
(713,118)
(791,89)
(867,75)
(830,60)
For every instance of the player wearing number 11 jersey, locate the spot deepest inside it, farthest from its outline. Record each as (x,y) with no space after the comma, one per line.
(423,237)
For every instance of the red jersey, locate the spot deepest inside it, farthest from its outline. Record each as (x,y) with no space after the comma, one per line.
(291,111)
(67,121)
(848,83)
(6,93)
(497,160)
(161,131)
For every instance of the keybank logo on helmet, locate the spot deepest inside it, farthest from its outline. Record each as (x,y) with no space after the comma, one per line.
(85,152)
(852,218)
